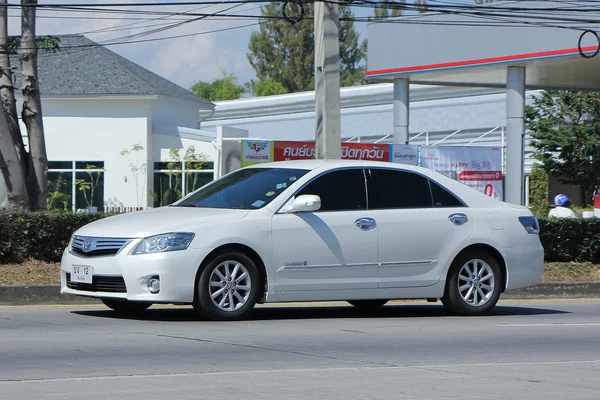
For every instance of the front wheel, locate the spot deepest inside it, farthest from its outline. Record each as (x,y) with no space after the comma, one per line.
(126,306)
(474,284)
(227,288)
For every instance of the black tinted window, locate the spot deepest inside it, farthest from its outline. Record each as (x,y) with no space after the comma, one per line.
(398,189)
(443,198)
(339,190)
(247,188)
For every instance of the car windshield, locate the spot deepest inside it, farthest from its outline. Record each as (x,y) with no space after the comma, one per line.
(249,188)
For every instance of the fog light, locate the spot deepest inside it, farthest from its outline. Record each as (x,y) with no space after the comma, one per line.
(153,285)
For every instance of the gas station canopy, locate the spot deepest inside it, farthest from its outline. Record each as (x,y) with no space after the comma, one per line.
(475,50)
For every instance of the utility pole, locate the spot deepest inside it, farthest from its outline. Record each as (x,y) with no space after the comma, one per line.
(327,81)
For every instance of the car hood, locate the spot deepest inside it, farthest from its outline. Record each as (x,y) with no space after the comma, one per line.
(158,220)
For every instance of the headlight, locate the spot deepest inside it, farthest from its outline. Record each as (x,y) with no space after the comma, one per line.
(164,242)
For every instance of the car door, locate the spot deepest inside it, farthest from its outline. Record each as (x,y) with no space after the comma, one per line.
(332,248)
(420,224)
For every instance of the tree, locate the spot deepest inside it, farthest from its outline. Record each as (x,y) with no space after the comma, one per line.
(538,191)
(266,87)
(421,6)
(566,138)
(225,88)
(25,174)
(388,9)
(13,158)
(138,169)
(91,183)
(284,52)
(32,108)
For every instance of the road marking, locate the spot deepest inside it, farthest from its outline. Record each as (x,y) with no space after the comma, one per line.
(294,371)
(550,324)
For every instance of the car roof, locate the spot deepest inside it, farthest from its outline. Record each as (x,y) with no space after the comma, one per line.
(330,164)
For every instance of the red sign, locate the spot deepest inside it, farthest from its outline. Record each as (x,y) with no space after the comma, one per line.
(285,151)
(480,176)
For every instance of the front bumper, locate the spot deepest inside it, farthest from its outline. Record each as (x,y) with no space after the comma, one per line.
(176,271)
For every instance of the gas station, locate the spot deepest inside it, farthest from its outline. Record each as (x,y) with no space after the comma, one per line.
(476,51)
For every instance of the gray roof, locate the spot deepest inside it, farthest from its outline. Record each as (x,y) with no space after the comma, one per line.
(82,66)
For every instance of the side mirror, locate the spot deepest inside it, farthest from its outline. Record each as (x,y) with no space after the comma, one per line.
(306,203)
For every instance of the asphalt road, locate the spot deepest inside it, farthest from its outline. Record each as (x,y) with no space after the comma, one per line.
(526,350)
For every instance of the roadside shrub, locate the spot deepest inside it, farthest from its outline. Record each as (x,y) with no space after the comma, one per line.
(38,235)
(571,239)
(44,235)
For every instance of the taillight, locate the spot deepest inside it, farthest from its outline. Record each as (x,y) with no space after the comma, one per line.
(530,224)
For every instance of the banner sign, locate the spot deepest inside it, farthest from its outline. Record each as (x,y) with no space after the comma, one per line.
(285,151)
(405,154)
(256,151)
(259,151)
(476,167)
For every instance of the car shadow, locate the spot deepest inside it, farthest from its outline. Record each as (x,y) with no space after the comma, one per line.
(282,312)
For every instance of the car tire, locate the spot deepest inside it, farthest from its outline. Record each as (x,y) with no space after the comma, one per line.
(227,288)
(125,306)
(368,304)
(475,269)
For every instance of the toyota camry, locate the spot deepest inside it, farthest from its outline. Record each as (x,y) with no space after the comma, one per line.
(315,230)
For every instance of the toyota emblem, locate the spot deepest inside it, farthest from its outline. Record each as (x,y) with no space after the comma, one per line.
(87,245)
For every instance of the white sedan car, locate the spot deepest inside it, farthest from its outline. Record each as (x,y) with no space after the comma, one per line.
(363,232)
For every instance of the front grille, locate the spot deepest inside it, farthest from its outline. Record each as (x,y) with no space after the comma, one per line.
(107,284)
(88,246)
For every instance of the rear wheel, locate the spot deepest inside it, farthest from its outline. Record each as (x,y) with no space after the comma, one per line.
(474,284)
(228,288)
(126,306)
(368,304)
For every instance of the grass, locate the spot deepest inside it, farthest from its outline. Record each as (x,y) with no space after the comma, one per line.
(42,273)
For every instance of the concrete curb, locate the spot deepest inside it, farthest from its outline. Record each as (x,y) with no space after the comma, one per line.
(50,294)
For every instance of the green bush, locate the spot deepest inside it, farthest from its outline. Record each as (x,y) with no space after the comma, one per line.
(38,235)
(44,235)
(571,239)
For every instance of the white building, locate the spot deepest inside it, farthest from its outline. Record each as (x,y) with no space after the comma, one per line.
(95,104)
(439,115)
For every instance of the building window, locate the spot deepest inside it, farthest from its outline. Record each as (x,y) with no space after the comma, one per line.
(82,181)
(174,180)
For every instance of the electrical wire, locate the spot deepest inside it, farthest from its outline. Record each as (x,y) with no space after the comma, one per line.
(481,15)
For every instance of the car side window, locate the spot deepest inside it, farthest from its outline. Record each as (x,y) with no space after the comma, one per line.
(340,190)
(390,188)
(442,197)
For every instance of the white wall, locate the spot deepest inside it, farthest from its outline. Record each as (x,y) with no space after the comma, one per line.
(366,111)
(163,143)
(98,130)
(176,111)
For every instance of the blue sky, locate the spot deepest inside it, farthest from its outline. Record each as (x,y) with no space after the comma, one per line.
(183,60)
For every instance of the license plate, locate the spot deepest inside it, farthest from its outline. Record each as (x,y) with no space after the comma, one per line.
(81,273)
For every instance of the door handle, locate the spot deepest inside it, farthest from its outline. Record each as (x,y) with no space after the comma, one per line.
(365,224)
(458,219)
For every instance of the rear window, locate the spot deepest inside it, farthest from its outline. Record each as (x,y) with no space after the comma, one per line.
(390,188)
(442,197)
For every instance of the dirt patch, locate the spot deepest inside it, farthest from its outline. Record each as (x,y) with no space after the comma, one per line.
(30,273)
(571,272)
(42,273)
